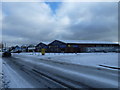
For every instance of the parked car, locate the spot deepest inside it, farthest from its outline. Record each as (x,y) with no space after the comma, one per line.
(6,54)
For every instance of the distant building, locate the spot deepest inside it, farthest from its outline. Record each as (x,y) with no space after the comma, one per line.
(42,45)
(57,46)
(78,46)
(16,49)
(31,48)
(24,48)
(70,46)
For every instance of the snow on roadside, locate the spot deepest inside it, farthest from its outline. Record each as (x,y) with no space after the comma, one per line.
(13,79)
(89,59)
(0,72)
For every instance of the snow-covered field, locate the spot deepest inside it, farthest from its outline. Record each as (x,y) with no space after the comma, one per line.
(89,59)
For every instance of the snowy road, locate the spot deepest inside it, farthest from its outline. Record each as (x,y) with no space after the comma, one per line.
(24,76)
(33,72)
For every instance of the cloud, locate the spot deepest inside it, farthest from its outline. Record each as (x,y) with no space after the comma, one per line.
(94,21)
(35,22)
(31,21)
(60,0)
(0,22)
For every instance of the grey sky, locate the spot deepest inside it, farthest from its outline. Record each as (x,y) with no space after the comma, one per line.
(25,23)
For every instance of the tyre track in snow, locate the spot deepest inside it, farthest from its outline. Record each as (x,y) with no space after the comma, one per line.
(48,82)
(52,81)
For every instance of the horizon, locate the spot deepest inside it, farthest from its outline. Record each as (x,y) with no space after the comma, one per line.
(5,44)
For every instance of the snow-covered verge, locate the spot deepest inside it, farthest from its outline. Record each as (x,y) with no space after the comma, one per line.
(88,59)
(13,79)
(0,70)
(3,82)
(9,78)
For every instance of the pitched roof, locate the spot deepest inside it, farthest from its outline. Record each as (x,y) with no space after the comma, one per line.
(46,43)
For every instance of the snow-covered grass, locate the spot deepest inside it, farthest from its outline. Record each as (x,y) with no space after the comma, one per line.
(110,59)
(0,71)
(0,65)
(89,59)
(12,79)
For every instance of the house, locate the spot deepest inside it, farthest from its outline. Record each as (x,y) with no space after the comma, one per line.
(24,48)
(16,49)
(57,46)
(31,48)
(78,46)
(42,45)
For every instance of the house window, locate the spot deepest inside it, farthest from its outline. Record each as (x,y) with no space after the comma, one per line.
(62,46)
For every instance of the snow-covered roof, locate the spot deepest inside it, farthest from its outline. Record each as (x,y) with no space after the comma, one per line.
(88,42)
(46,43)
(30,48)
(26,45)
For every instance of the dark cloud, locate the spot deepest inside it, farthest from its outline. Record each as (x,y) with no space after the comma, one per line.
(99,22)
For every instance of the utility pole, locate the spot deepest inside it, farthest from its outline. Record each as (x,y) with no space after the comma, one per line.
(5,46)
